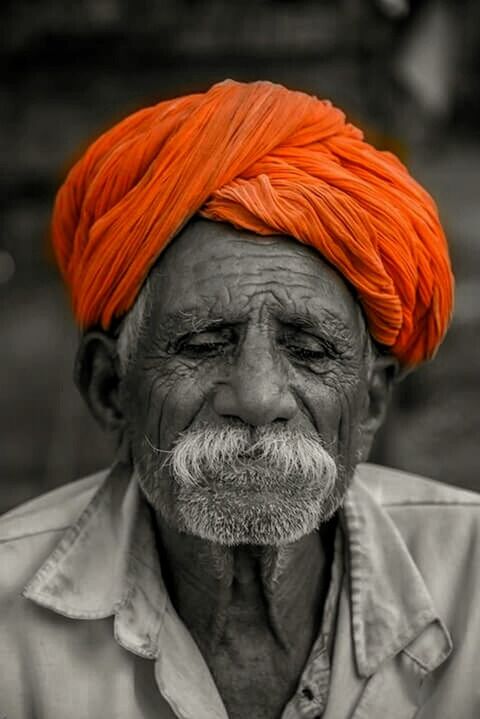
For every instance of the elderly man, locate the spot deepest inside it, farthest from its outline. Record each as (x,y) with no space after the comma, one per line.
(240,559)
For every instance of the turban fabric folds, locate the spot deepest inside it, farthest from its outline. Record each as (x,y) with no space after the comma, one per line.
(265,159)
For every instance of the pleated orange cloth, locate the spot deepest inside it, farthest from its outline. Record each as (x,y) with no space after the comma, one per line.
(265,159)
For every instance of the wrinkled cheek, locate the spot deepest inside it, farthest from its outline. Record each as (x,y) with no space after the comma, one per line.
(336,411)
(181,405)
(349,430)
(166,406)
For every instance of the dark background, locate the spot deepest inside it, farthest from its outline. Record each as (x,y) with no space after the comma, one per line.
(405,71)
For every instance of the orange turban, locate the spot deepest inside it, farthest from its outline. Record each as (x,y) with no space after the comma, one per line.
(268,160)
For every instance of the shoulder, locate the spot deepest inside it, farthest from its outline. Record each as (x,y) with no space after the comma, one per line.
(396,488)
(431,516)
(29,532)
(52,511)
(439,524)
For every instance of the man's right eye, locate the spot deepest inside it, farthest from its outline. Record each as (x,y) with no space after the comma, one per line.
(205,344)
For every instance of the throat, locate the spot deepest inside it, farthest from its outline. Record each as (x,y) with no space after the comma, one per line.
(220,592)
(254,612)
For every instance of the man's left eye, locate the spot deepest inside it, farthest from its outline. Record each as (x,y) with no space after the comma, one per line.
(306,354)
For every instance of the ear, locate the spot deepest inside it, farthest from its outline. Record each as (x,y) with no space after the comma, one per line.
(97,376)
(382,376)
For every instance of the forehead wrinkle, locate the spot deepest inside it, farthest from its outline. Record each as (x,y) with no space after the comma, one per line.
(335,311)
(285,310)
(197,318)
(259,270)
(288,309)
(322,283)
(235,307)
(223,291)
(317,321)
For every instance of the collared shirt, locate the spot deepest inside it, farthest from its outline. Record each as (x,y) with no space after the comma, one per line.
(94,632)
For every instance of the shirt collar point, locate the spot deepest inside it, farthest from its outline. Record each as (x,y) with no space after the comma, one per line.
(100,568)
(59,606)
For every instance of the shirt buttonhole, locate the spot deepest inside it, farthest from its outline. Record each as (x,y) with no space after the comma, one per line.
(307,693)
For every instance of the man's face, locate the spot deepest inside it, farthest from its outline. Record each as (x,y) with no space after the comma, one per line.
(246,397)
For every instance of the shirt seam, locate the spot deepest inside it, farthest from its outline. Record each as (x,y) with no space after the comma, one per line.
(16,538)
(417,661)
(69,612)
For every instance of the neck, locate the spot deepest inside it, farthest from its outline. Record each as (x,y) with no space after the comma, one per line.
(281,589)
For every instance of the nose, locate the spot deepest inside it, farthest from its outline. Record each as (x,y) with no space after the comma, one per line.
(257,391)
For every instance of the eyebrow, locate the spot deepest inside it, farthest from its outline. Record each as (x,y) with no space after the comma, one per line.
(195,320)
(325,320)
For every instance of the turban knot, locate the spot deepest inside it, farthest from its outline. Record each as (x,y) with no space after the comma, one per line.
(271,161)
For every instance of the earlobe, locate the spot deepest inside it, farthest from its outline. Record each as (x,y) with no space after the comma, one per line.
(98,378)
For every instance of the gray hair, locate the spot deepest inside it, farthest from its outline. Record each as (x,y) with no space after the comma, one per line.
(132,327)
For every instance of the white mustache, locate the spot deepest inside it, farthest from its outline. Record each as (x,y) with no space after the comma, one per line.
(232,451)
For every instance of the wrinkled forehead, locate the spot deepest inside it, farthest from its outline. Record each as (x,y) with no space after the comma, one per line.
(212,265)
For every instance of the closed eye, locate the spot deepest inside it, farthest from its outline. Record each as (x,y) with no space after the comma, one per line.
(205,344)
(305,346)
(306,354)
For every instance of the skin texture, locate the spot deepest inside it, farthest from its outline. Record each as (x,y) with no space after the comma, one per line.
(248,332)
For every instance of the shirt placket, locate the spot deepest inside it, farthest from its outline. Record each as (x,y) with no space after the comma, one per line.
(310,699)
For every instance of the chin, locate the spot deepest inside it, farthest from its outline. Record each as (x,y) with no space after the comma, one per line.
(250,518)
(250,505)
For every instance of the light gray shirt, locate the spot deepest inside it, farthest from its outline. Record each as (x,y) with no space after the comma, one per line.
(94,633)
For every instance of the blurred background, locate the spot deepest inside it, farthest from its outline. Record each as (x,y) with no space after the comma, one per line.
(405,70)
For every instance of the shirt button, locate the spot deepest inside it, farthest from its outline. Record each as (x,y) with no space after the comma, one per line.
(307,693)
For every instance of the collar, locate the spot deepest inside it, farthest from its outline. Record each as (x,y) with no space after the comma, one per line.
(391,607)
(107,564)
